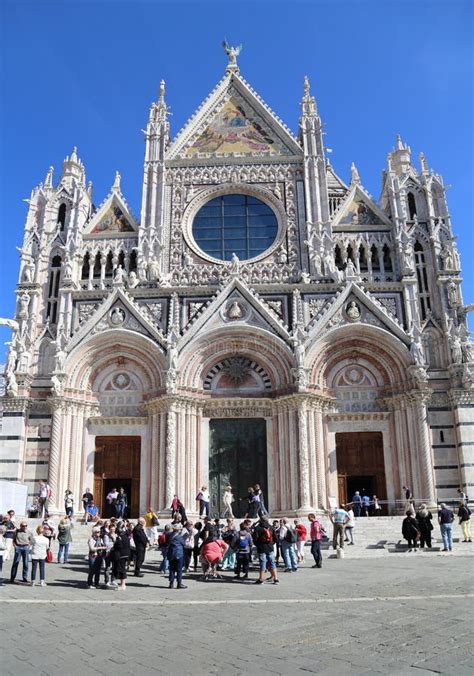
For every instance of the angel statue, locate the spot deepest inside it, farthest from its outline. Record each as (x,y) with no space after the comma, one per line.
(232,53)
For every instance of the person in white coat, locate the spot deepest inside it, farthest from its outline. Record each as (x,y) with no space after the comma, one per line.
(228,499)
(39,550)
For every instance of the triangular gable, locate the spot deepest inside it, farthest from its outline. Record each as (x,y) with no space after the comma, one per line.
(358,209)
(118,311)
(113,218)
(334,181)
(234,305)
(372,312)
(233,120)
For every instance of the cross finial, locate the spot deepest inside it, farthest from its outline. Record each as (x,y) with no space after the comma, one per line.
(232,53)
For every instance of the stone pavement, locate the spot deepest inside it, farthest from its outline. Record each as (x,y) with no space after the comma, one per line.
(404,614)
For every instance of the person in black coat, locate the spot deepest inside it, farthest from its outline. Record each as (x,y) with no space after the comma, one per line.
(141,543)
(410,530)
(121,552)
(424,518)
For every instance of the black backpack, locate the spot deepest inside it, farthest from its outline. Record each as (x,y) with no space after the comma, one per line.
(290,535)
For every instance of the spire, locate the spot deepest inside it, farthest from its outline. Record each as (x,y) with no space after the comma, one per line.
(424,166)
(116,184)
(232,54)
(308,103)
(72,168)
(48,181)
(355,178)
(161,92)
(89,189)
(399,145)
(401,157)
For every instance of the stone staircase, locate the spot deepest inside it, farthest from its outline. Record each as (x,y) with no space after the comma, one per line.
(373,536)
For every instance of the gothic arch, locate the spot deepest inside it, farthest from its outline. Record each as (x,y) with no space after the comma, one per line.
(269,352)
(95,355)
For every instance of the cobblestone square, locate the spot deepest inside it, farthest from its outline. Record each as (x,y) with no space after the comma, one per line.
(401,614)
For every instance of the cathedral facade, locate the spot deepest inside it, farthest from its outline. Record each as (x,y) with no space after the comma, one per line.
(262,321)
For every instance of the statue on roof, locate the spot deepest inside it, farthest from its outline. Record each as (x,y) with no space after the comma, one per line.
(232,53)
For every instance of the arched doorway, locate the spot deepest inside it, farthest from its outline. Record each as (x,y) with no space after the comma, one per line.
(360,465)
(237,456)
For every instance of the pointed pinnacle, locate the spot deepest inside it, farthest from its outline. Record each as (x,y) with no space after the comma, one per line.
(400,145)
(161,92)
(424,166)
(355,178)
(73,155)
(306,86)
(48,181)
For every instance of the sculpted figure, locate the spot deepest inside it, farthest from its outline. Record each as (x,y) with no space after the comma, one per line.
(24,305)
(133,280)
(153,270)
(235,311)
(353,311)
(234,264)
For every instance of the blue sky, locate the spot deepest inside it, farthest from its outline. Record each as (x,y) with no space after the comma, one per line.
(84,73)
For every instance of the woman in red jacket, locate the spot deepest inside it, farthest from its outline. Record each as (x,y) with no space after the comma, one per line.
(302,535)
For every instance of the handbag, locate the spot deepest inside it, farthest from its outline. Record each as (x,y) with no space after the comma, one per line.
(49,556)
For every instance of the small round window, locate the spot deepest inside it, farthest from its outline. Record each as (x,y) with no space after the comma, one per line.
(239,224)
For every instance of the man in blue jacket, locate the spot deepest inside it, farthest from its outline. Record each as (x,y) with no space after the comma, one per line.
(175,543)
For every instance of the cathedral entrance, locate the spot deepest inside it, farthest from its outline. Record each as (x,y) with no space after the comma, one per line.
(360,465)
(116,465)
(237,456)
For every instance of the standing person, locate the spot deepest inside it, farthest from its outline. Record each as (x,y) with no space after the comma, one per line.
(445,520)
(316,535)
(121,553)
(197,546)
(263,539)
(301,534)
(9,533)
(163,547)
(253,503)
(68,502)
(141,543)
(188,532)
(64,539)
(151,526)
(275,528)
(288,539)
(376,506)
(121,503)
(176,542)
(339,518)
(111,499)
(365,504)
(243,547)
(228,535)
(96,556)
(204,500)
(109,535)
(410,530)
(44,493)
(424,518)
(39,550)
(22,542)
(409,498)
(3,549)
(356,503)
(87,499)
(464,514)
(261,499)
(227,500)
(462,496)
(349,528)
(49,530)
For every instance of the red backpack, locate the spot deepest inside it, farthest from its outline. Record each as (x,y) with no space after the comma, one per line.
(266,536)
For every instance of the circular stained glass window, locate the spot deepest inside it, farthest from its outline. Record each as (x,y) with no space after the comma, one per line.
(239,224)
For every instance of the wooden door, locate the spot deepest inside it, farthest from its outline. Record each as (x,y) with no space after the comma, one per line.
(360,464)
(116,459)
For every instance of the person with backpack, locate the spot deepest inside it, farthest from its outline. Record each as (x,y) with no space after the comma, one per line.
(445,520)
(121,555)
(263,539)
(411,530)
(464,514)
(39,550)
(163,547)
(64,538)
(242,545)
(288,539)
(316,534)
(176,542)
(96,556)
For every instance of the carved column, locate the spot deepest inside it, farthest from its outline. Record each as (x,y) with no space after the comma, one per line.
(320,459)
(55,452)
(424,448)
(170,455)
(303,456)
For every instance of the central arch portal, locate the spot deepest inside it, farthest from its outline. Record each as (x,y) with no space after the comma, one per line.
(237,456)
